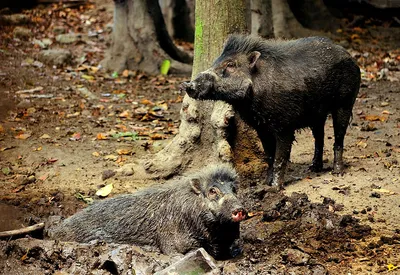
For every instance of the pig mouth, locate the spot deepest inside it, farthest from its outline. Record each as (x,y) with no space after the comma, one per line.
(238,215)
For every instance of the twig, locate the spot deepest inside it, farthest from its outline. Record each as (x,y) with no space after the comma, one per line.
(22,230)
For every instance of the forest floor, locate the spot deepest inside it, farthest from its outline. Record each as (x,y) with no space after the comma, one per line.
(65,128)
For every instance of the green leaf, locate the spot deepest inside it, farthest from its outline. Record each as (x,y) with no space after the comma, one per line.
(165,67)
(87,77)
(83,198)
(6,170)
(114,75)
(134,135)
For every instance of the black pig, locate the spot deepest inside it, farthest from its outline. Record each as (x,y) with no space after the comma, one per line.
(201,211)
(279,86)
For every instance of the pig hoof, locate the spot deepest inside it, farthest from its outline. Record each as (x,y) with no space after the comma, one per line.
(315,168)
(338,171)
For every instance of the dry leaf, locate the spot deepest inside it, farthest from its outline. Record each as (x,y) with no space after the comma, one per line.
(124,152)
(111,157)
(375,118)
(362,144)
(158,136)
(105,191)
(101,136)
(45,136)
(146,102)
(384,191)
(124,114)
(23,136)
(96,154)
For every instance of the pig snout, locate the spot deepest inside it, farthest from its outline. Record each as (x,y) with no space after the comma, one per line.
(239,215)
(188,86)
(201,87)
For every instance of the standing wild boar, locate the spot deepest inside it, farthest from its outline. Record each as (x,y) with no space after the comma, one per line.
(279,86)
(200,211)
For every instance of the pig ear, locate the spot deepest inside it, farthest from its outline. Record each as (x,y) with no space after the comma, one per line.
(196,185)
(253,57)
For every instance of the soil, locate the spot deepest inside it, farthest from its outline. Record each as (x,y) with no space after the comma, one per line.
(61,143)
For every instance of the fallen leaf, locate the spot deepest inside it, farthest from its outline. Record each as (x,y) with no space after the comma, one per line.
(375,118)
(6,148)
(45,136)
(1,129)
(44,177)
(101,136)
(124,152)
(75,137)
(96,154)
(105,191)
(84,198)
(73,115)
(252,214)
(111,157)
(121,127)
(87,77)
(23,136)
(124,114)
(386,112)
(362,144)
(38,149)
(158,136)
(369,127)
(384,191)
(125,73)
(6,170)
(165,65)
(134,135)
(384,103)
(146,102)
(25,256)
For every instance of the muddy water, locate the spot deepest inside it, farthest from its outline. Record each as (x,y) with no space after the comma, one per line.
(12,217)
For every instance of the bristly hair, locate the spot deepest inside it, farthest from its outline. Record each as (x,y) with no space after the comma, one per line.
(245,44)
(217,172)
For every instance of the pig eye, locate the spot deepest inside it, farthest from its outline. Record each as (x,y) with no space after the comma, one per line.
(231,65)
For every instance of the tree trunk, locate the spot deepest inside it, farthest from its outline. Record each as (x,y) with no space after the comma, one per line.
(314,14)
(208,130)
(183,27)
(261,18)
(140,40)
(285,23)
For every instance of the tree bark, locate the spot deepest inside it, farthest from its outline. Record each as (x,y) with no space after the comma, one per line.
(183,27)
(261,18)
(140,40)
(285,23)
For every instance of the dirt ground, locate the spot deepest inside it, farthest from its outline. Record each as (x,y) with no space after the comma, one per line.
(61,142)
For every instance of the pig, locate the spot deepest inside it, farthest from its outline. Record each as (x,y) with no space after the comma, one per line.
(280,86)
(198,211)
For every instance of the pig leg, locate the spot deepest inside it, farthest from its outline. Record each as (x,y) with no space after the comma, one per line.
(269,144)
(318,133)
(341,118)
(282,155)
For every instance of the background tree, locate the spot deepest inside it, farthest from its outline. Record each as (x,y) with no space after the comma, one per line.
(140,40)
